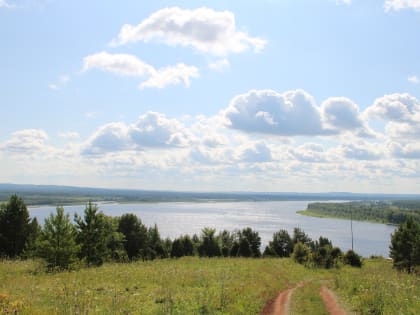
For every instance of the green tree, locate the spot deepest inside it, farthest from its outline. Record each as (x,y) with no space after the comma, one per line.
(34,232)
(300,236)
(226,242)
(282,244)
(209,247)
(253,239)
(57,243)
(352,258)
(177,248)
(188,245)
(154,244)
(244,248)
(14,227)
(92,235)
(405,246)
(135,234)
(300,253)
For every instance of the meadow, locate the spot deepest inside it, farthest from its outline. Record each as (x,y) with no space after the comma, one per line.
(192,285)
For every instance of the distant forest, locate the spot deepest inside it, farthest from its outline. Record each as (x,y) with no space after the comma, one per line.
(389,212)
(65,195)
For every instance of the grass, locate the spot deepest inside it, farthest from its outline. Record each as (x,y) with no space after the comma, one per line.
(200,286)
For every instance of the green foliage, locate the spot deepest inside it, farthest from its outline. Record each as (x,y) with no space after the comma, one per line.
(14,227)
(135,234)
(92,235)
(34,232)
(405,246)
(57,243)
(209,246)
(299,236)
(393,212)
(352,258)
(300,253)
(281,245)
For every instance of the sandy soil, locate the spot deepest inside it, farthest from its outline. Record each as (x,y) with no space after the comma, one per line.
(330,302)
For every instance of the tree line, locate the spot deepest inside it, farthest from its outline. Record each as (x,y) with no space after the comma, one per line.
(393,212)
(94,238)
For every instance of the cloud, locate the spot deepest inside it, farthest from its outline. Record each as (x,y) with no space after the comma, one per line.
(361,151)
(257,152)
(129,65)
(413,79)
(219,65)
(348,2)
(309,152)
(265,111)
(60,83)
(122,64)
(172,75)
(408,151)
(293,113)
(204,29)
(403,131)
(69,135)
(6,4)
(25,141)
(395,107)
(152,130)
(398,5)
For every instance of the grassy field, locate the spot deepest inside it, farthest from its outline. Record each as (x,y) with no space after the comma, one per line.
(201,286)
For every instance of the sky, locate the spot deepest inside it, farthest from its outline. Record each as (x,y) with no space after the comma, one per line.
(267,95)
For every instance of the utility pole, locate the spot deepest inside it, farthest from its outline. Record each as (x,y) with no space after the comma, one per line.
(351,228)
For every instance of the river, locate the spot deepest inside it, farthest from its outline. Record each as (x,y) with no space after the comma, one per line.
(266,217)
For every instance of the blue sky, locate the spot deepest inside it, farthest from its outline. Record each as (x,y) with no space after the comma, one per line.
(242,95)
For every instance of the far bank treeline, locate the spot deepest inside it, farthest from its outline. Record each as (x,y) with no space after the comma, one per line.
(95,238)
(388,212)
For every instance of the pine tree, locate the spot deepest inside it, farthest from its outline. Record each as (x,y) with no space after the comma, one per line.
(57,243)
(405,245)
(14,227)
(92,235)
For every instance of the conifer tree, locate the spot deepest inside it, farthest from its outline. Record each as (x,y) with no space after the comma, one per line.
(57,243)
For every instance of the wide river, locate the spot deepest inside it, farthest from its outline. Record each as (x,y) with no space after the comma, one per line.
(266,217)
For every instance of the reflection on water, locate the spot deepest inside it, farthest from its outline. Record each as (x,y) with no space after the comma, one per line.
(176,218)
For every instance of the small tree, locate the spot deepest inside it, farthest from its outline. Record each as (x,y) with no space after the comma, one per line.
(300,253)
(92,235)
(57,243)
(135,234)
(282,244)
(352,258)
(177,248)
(14,227)
(405,245)
(209,246)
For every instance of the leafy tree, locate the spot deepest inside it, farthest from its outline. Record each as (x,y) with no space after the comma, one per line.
(253,239)
(188,245)
(177,248)
(135,234)
(209,246)
(244,248)
(92,235)
(405,246)
(154,244)
(57,243)
(226,241)
(300,236)
(14,227)
(114,240)
(34,232)
(352,258)
(282,244)
(300,253)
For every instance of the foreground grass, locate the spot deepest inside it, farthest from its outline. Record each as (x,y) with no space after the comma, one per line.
(200,286)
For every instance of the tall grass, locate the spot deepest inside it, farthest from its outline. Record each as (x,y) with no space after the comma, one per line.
(200,286)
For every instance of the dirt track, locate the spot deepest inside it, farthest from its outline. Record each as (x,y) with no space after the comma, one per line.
(281,304)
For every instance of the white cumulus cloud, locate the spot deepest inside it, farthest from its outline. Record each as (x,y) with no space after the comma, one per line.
(398,5)
(172,75)
(152,130)
(6,4)
(395,107)
(204,29)
(25,141)
(129,65)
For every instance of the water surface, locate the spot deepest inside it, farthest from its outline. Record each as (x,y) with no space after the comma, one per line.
(266,217)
